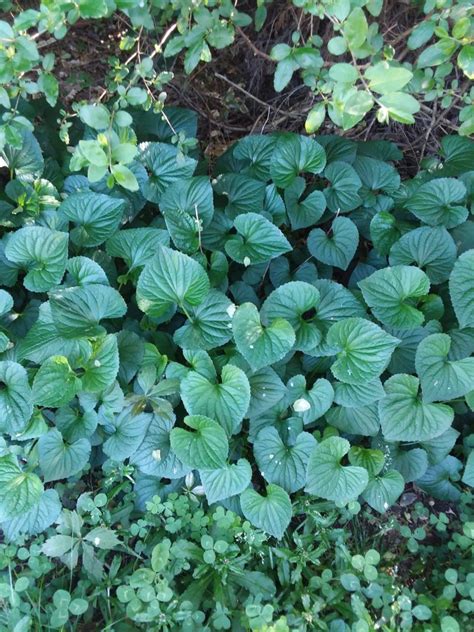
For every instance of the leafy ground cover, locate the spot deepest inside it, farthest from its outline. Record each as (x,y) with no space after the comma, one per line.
(236,378)
(295,328)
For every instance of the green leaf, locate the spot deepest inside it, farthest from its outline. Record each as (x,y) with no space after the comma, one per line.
(102,538)
(36,519)
(372,460)
(257,241)
(400,106)
(95,215)
(127,430)
(77,311)
(437,479)
(344,185)
(437,54)
(356,395)
(96,116)
(272,512)
(303,211)
(16,405)
(468,475)
(384,232)
(412,464)
(439,202)
(206,448)
(466,60)
(209,326)
(355,28)
(363,350)
(125,177)
(310,404)
(328,479)
(406,417)
(261,346)
(266,390)
(383,491)
(294,155)
(384,78)
(84,271)
(227,481)
(6,302)
(355,106)
(55,383)
(25,161)
(136,246)
(461,289)
(315,117)
(431,249)
(153,455)
(284,465)
(377,175)
(357,420)
(19,491)
(441,378)
(102,366)
(297,303)
(244,194)
(192,196)
(391,292)
(59,459)
(226,401)
(168,280)
(336,302)
(337,247)
(42,252)
(166,165)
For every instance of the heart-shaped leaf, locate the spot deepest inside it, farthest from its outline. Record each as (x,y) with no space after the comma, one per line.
(363,350)
(257,241)
(337,247)
(226,401)
(284,465)
(391,292)
(272,512)
(329,479)
(227,481)
(59,459)
(441,378)
(406,417)
(261,346)
(383,491)
(461,289)
(206,448)
(16,404)
(294,155)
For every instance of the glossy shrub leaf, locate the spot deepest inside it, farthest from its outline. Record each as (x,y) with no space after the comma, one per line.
(406,417)
(362,349)
(271,512)
(258,240)
(205,447)
(226,400)
(284,465)
(42,252)
(261,346)
(168,280)
(227,481)
(461,289)
(391,292)
(441,378)
(329,479)
(337,246)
